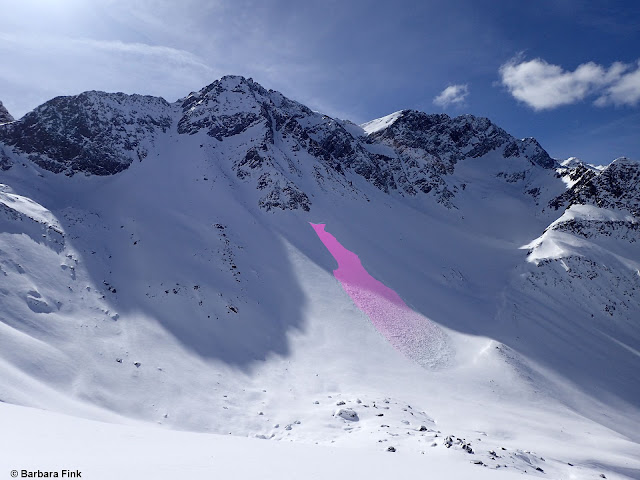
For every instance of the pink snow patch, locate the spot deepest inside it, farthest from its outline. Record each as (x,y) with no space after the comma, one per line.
(408,331)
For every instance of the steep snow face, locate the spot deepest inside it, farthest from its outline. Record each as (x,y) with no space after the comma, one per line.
(94,132)
(189,290)
(378,124)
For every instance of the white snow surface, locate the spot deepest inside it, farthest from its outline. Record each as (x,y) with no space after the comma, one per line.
(381,123)
(165,302)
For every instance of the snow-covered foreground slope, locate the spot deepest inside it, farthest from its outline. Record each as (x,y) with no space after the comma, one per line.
(41,441)
(181,284)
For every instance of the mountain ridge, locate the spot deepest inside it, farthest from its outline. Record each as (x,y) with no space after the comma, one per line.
(157,264)
(104,147)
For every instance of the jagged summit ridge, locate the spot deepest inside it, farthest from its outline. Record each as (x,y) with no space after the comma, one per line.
(453,139)
(272,143)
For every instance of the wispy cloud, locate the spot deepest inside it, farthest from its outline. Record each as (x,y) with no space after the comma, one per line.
(46,66)
(624,91)
(544,86)
(71,45)
(452,95)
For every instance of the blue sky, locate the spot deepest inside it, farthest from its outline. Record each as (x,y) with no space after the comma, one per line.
(563,71)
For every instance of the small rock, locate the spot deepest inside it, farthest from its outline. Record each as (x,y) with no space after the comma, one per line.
(340,403)
(422,428)
(478,462)
(539,469)
(137,364)
(602,475)
(347,414)
(391,449)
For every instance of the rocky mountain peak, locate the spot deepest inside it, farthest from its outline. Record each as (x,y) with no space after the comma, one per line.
(616,186)
(453,139)
(232,104)
(278,144)
(94,132)
(5,116)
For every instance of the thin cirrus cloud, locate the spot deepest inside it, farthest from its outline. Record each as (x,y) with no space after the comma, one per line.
(452,95)
(544,86)
(66,65)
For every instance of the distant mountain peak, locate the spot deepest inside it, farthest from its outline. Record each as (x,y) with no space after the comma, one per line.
(5,116)
(94,132)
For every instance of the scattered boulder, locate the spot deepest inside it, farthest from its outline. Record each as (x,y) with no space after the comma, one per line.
(348,414)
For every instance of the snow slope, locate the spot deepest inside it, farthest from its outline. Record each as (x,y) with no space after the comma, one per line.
(184,287)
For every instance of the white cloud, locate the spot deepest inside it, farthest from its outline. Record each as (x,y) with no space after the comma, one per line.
(625,91)
(545,86)
(452,95)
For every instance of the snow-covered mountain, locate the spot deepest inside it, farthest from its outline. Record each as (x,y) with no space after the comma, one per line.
(157,264)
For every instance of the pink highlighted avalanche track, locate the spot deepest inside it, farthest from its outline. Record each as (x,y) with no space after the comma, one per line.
(411,333)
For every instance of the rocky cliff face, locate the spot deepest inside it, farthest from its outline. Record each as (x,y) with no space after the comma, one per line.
(95,132)
(5,116)
(616,186)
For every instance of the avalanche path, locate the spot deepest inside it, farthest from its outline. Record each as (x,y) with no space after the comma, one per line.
(411,333)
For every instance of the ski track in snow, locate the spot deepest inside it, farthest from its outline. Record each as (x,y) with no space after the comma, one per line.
(411,333)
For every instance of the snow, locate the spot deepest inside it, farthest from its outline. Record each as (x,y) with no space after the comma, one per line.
(381,123)
(37,440)
(409,332)
(554,244)
(593,213)
(27,207)
(216,337)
